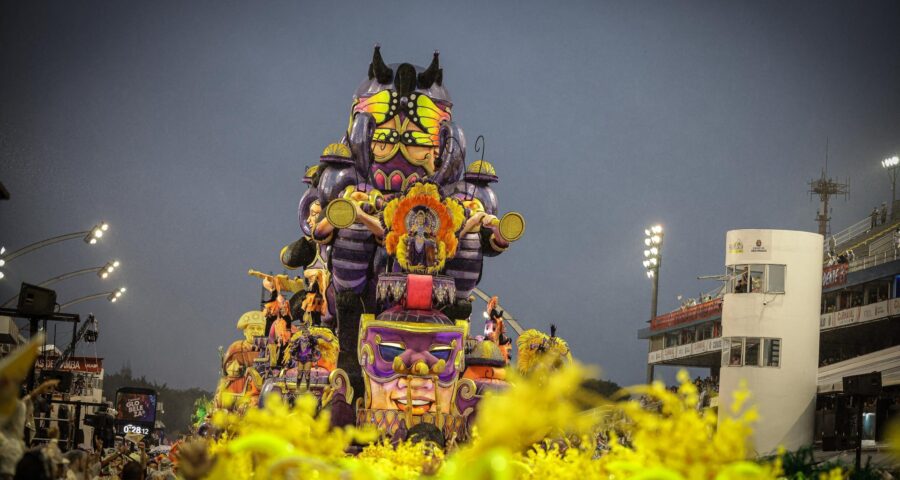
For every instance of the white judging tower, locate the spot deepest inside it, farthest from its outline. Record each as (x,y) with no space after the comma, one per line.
(770,330)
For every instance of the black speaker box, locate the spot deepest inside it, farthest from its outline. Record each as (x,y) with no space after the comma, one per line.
(865,384)
(35,300)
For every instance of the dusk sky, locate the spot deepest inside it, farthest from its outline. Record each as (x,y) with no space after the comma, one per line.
(188,125)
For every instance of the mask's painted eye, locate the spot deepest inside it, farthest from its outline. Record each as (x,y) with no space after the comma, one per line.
(442,353)
(389,351)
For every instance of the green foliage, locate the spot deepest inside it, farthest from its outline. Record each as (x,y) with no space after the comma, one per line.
(802,465)
(605,388)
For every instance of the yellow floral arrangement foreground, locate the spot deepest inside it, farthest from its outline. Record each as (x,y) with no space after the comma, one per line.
(540,429)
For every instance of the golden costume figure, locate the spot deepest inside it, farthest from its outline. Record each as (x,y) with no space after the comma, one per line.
(238,386)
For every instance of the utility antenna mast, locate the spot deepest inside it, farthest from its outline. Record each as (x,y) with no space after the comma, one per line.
(826,188)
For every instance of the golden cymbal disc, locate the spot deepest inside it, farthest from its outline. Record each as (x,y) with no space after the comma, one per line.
(341,213)
(512,226)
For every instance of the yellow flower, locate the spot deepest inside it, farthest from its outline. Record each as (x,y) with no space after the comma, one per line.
(544,426)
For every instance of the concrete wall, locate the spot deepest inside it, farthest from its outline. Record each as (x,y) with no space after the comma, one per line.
(785,395)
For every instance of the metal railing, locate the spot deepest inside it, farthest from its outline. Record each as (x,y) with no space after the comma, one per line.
(848,234)
(874,260)
(690,314)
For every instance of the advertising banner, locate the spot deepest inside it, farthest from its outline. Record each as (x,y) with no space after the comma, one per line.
(73,364)
(846,317)
(867,313)
(135,410)
(699,347)
(835,275)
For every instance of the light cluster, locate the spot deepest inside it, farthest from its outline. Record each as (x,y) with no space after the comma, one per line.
(890,162)
(653,242)
(96,233)
(107,269)
(115,296)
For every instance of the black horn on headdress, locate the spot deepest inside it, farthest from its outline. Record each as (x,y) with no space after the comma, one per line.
(434,73)
(405,80)
(377,69)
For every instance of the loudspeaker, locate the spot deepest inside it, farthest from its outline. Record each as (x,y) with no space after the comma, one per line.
(35,300)
(839,425)
(865,384)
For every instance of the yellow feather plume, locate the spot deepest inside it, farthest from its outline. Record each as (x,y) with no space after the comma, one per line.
(530,356)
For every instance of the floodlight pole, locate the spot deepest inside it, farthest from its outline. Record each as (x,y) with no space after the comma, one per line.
(891,164)
(652,262)
(892,171)
(654,301)
(654,291)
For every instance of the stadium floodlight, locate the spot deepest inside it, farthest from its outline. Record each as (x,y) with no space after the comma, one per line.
(116,295)
(96,233)
(106,270)
(653,258)
(652,261)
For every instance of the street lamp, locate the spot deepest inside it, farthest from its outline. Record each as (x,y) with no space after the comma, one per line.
(91,237)
(116,295)
(652,261)
(891,164)
(112,296)
(102,271)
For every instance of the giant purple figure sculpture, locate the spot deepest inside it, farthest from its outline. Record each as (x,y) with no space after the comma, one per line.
(400,131)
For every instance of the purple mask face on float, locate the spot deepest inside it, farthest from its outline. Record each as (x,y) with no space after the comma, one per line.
(402,361)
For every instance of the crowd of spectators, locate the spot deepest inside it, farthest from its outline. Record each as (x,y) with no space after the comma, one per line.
(877,215)
(845,257)
(37,438)
(707,389)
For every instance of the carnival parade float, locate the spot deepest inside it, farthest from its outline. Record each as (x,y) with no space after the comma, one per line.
(395,228)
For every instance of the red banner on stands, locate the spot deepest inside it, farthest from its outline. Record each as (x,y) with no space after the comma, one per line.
(835,275)
(73,364)
(690,314)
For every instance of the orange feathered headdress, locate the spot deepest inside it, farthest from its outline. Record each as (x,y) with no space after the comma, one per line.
(450,218)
